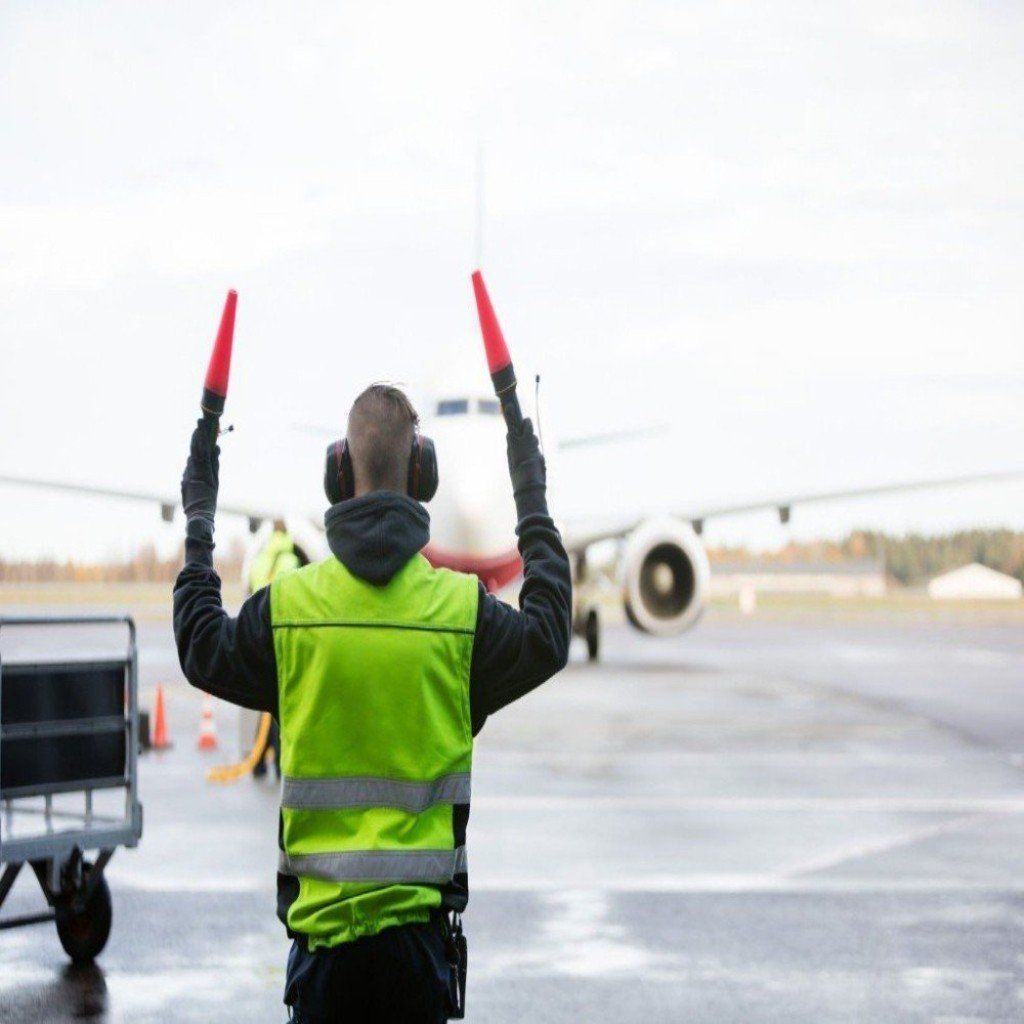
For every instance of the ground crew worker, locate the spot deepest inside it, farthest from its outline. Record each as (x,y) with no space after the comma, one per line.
(278,555)
(380,670)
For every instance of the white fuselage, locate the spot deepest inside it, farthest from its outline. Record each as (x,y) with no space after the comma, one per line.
(472,516)
(472,513)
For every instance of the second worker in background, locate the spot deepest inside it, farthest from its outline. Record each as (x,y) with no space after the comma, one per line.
(380,671)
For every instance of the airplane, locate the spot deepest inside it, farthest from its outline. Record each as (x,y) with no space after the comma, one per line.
(661,566)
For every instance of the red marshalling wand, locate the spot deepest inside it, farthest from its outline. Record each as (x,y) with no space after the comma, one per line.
(499,362)
(215,388)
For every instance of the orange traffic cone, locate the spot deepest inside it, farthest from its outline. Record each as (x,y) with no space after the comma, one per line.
(207,730)
(161,741)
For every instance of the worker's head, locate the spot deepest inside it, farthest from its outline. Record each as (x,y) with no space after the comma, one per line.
(381,427)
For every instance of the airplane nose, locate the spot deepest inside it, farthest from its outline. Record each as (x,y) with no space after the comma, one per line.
(469,512)
(483,511)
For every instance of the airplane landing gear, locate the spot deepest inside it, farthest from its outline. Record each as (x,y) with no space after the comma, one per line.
(587,623)
(591,632)
(269,750)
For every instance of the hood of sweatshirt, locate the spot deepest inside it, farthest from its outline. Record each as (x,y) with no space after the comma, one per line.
(374,535)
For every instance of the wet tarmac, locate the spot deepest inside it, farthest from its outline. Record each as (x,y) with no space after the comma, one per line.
(759,822)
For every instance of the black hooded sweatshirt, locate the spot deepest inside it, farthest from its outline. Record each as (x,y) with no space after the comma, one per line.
(373,536)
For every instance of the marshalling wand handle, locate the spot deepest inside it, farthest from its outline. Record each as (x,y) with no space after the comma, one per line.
(504,381)
(499,362)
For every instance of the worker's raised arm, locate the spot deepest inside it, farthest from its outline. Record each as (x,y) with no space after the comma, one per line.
(231,658)
(516,651)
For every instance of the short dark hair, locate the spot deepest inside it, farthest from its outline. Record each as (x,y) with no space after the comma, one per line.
(381,427)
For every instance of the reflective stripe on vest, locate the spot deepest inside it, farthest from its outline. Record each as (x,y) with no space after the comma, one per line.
(367,791)
(433,867)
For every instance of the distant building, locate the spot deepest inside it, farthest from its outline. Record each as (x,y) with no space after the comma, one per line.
(862,577)
(977,582)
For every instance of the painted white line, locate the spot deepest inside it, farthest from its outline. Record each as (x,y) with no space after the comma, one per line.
(858,851)
(740,884)
(499,762)
(982,657)
(696,884)
(841,804)
(132,877)
(579,936)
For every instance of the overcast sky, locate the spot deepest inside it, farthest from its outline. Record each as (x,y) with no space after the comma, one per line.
(791,231)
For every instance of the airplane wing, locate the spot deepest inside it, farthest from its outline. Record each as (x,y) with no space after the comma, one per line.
(168,504)
(611,436)
(581,538)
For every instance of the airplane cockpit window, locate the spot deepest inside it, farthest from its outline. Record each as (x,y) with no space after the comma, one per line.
(453,407)
(462,406)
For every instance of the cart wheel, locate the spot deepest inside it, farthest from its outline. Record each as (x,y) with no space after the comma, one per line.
(83,935)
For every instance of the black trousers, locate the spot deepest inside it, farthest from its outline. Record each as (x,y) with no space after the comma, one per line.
(399,975)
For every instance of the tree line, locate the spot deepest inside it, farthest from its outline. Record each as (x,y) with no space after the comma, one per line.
(144,566)
(910,559)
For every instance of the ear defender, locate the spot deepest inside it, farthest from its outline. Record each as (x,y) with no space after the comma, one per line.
(421,483)
(423,479)
(339,480)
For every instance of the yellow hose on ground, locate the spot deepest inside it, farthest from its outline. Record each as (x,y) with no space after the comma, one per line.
(233,772)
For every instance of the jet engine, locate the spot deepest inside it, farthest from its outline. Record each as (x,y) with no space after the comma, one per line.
(664,575)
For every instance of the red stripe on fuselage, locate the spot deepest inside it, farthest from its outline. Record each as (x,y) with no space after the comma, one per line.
(494,571)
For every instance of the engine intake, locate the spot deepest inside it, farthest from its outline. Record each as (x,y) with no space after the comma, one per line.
(664,574)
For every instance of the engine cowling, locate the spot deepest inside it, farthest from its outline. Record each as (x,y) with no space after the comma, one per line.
(664,574)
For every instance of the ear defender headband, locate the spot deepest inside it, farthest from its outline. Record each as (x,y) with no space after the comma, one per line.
(421,483)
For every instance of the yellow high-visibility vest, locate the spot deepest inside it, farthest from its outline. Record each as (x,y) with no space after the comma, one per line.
(376,744)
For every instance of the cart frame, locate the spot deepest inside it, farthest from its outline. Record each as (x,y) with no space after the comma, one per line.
(70,884)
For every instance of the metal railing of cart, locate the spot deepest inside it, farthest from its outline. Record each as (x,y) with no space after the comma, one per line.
(68,728)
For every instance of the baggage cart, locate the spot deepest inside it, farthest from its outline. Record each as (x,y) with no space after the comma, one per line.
(69,741)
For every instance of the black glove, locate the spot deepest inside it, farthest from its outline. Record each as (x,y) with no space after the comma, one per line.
(201,477)
(528,471)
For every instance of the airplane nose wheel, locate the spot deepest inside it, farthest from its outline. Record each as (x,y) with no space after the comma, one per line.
(592,634)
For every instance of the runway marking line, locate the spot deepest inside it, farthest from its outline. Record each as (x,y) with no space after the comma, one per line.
(858,851)
(683,885)
(909,805)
